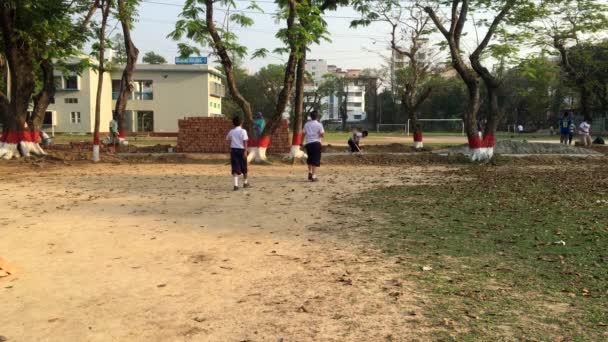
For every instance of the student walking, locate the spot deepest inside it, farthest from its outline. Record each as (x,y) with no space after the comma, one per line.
(238,152)
(314,132)
(564,128)
(585,132)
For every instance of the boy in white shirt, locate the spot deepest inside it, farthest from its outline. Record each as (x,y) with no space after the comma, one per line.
(313,131)
(585,132)
(238,152)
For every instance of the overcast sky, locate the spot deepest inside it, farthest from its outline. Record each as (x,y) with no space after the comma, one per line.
(349,48)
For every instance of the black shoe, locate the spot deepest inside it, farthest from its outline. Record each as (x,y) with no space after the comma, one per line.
(236,188)
(310,177)
(246,185)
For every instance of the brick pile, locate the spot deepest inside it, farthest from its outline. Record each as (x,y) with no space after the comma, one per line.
(208,135)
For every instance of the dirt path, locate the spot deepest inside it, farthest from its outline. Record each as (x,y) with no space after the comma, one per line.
(168,253)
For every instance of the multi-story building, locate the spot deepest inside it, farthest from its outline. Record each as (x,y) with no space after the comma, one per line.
(317,68)
(166,93)
(162,94)
(352,95)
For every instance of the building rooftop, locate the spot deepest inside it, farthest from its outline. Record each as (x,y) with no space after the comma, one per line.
(202,68)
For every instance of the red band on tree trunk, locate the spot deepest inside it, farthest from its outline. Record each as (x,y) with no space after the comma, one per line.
(12,137)
(15,137)
(418,137)
(264,142)
(96,140)
(26,136)
(474,142)
(297,139)
(489,141)
(122,134)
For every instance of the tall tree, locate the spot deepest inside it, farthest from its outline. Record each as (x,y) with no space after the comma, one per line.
(126,12)
(33,35)
(203,31)
(564,25)
(480,143)
(410,29)
(311,21)
(106,6)
(153,58)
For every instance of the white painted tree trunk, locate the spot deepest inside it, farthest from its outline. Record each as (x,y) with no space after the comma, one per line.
(296,152)
(418,141)
(9,151)
(96,153)
(30,147)
(257,155)
(14,144)
(482,149)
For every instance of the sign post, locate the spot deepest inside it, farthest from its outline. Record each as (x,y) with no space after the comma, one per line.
(191,60)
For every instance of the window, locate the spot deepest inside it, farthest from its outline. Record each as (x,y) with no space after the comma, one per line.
(143,90)
(354,104)
(70,100)
(357,117)
(115,89)
(216,89)
(75,117)
(71,82)
(355,94)
(48,119)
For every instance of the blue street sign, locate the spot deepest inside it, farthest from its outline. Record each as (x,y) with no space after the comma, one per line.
(191,60)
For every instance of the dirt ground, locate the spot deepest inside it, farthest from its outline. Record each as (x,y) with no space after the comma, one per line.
(167,252)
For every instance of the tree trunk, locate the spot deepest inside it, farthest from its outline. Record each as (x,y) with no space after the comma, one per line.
(226,61)
(100,73)
(298,105)
(584,102)
(259,154)
(126,87)
(19,57)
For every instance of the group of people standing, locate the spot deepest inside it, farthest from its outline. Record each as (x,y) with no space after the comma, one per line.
(567,130)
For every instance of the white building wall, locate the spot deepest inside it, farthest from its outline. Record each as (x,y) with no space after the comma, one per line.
(179,91)
(317,68)
(85,96)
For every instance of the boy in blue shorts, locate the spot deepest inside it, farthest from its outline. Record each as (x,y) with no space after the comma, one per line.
(564,128)
(238,152)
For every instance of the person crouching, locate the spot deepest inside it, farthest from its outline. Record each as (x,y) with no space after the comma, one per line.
(354,142)
(238,152)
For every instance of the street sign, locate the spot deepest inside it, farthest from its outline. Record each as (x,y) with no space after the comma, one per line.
(191,60)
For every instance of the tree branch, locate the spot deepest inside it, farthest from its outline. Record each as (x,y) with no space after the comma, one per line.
(497,20)
(437,22)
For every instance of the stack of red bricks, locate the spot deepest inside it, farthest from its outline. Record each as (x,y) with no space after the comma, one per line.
(208,135)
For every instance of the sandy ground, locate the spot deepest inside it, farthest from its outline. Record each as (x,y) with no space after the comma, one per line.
(167,252)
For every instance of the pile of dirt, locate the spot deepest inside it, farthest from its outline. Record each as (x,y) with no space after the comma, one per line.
(518,147)
(392,148)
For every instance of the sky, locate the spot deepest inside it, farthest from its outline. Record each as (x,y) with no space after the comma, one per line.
(349,48)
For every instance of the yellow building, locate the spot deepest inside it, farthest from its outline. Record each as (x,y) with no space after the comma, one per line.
(162,94)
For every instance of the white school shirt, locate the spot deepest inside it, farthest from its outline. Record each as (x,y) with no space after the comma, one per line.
(237,137)
(313,130)
(584,128)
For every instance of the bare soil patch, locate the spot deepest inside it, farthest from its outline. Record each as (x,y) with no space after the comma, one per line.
(167,252)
